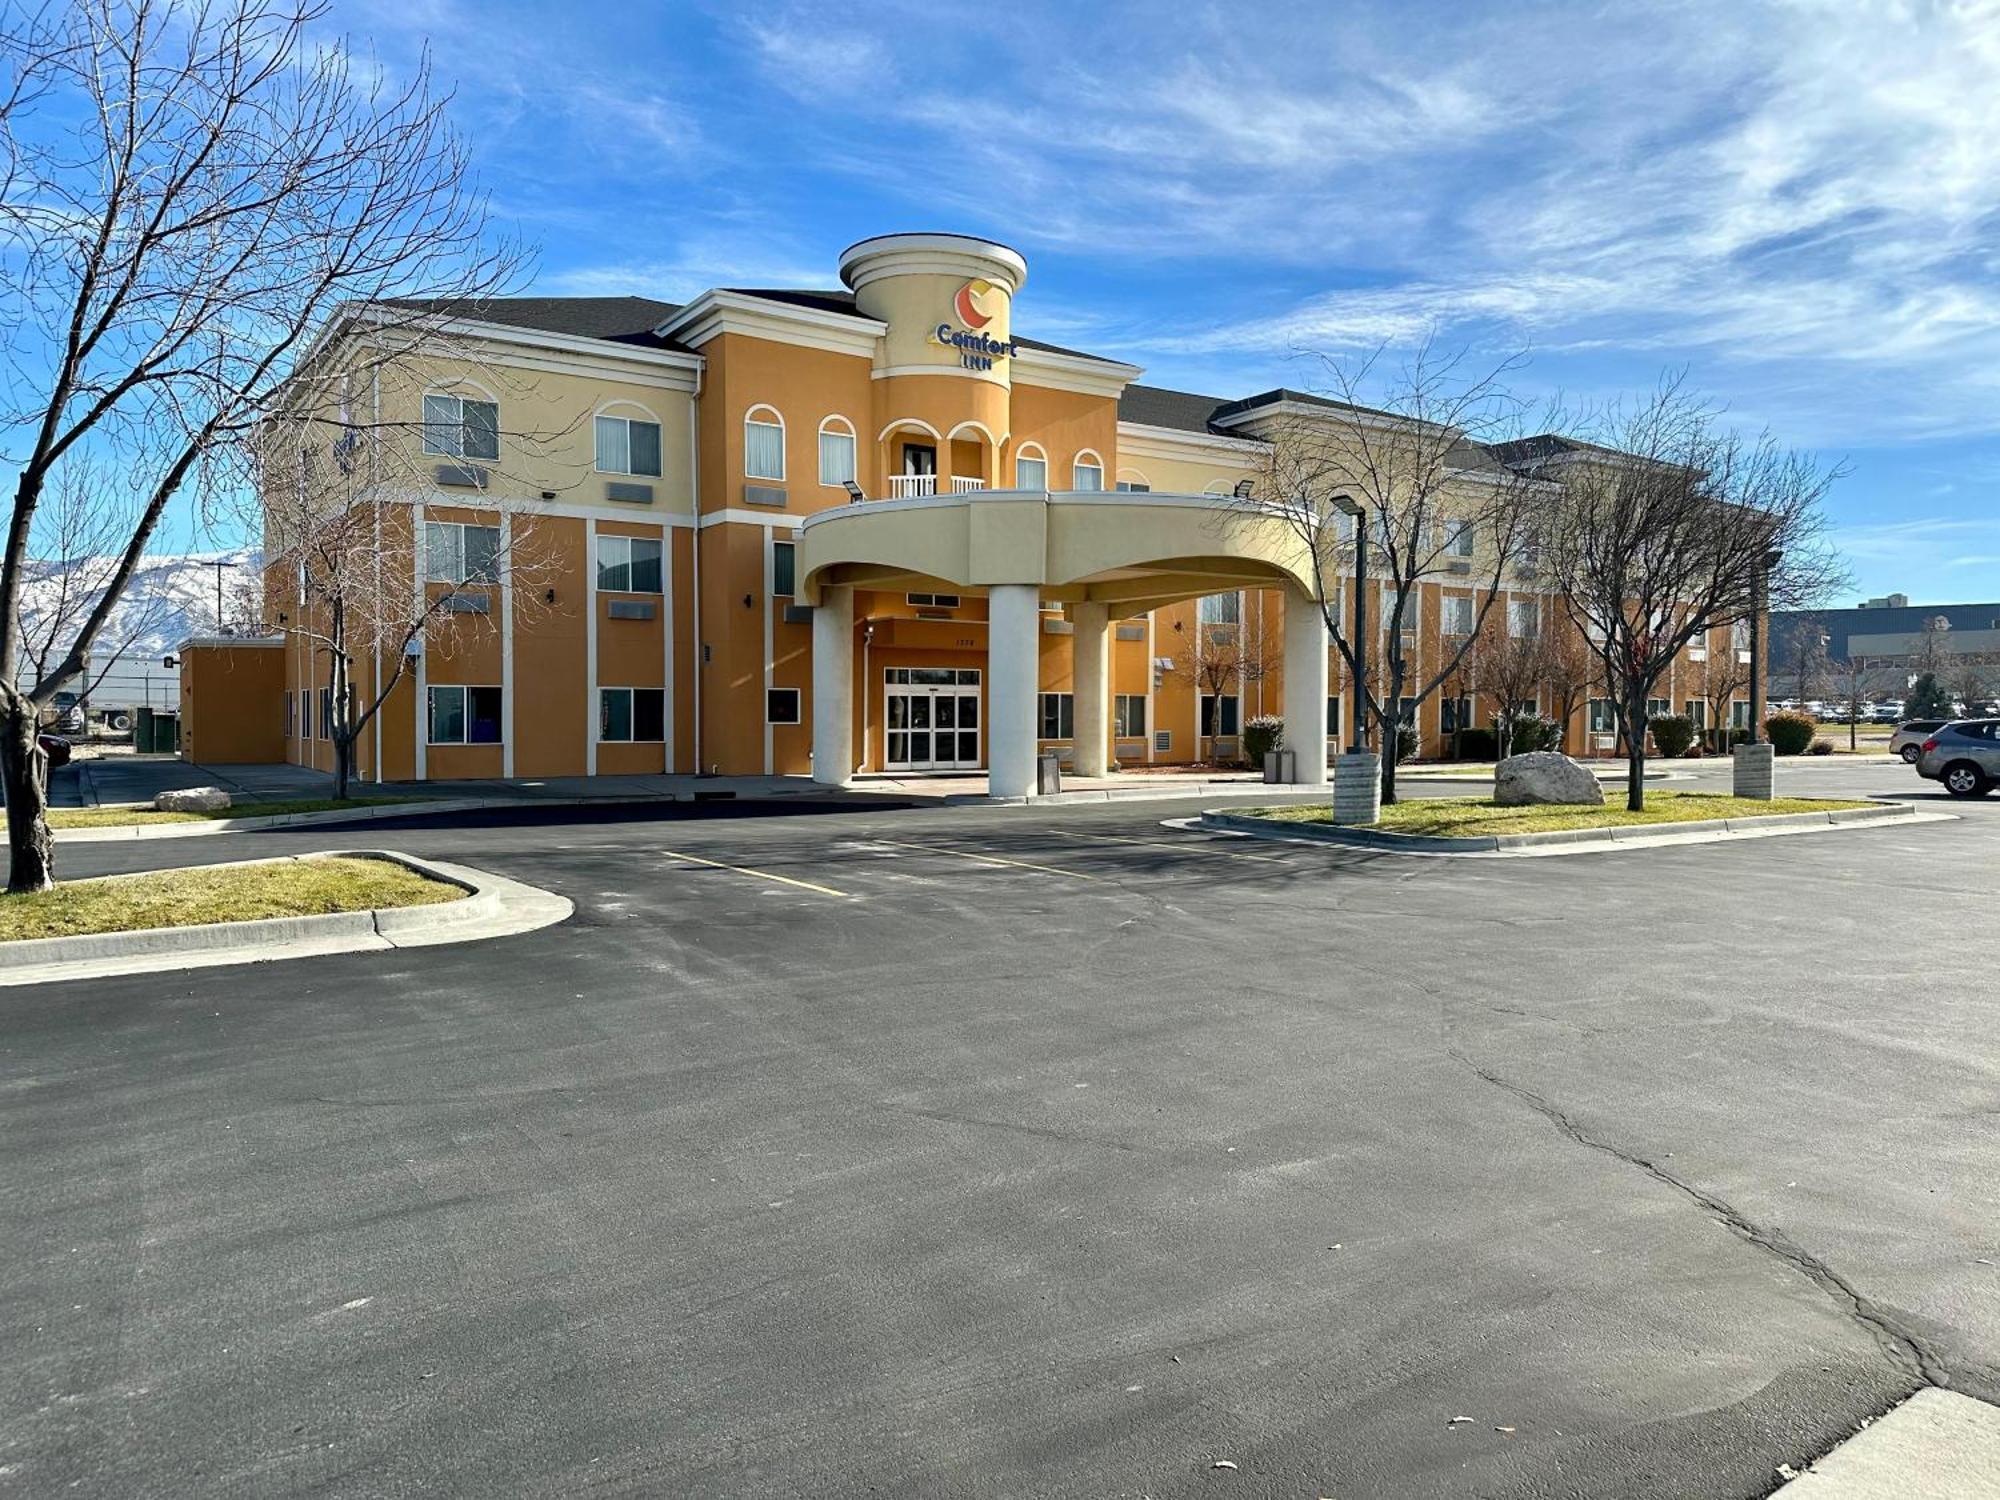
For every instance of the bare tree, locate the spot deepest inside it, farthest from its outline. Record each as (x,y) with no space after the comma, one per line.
(1511,669)
(1933,655)
(1970,679)
(1438,506)
(1812,662)
(1721,676)
(190,195)
(1669,525)
(1570,670)
(1226,656)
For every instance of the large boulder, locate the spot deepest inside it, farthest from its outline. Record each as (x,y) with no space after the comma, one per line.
(192,799)
(1544,776)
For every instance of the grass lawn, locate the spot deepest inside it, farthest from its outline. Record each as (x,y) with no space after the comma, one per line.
(1475,817)
(132,817)
(218,893)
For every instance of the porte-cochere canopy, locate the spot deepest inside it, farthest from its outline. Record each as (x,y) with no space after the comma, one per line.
(1104,555)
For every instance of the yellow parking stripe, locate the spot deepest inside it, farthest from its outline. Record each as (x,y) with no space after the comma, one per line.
(1185,848)
(716,864)
(987,859)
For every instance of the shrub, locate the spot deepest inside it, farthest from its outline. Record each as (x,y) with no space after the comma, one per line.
(1263,734)
(1791,732)
(1406,741)
(1738,736)
(1477,744)
(1532,732)
(1821,747)
(1672,734)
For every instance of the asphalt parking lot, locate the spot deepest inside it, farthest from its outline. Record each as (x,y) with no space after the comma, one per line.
(1021,1151)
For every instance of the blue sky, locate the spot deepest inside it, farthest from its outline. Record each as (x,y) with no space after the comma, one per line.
(1799,202)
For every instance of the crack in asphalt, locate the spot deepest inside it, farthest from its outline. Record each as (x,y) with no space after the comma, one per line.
(1907,1350)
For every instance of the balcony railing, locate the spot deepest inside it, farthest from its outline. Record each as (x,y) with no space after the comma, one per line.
(915,486)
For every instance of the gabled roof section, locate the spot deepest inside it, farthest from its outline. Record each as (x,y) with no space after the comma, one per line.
(843,302)
(616,320)
(1231,411)
(1156,406)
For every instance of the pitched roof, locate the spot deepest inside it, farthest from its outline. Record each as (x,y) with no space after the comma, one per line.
(843,302)
(1156,406)
(618,320)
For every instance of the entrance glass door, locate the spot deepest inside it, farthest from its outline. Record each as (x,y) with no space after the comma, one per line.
(931,718)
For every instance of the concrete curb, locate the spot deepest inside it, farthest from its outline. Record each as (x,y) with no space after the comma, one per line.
(1576,839)
(493,907)
(1153,793)
(1938,1445)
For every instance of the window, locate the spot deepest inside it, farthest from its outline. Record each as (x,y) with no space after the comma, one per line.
(1524,619)
(1739,635)
(763,445)
(781,706)
(1089,472)
(627,445)
(1134,487)
(1658,708)
(1458,615)
(784,569)
(626,715)
(461,554)
(836,451)
(1739,714)
(291,713)
(628,564)
(1460,537)
(1697,712)
(457,428)
(325,714)
(1221,609)
(1031,473)
(1058,716)
(465,715)
(933,601)
(1407,713)
(1128,716)
(1333,717)
(1226,721)
(1454,714)
(1602,719)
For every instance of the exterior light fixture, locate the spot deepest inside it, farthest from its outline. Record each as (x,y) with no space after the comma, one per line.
(854,495)
(1243,488)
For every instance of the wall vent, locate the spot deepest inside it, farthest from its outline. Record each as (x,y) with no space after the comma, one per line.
(628,492)
(771,496)
(631,609)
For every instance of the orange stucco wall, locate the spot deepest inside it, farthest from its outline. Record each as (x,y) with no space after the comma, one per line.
(232,704)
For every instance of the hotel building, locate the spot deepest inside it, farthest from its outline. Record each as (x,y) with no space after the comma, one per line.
(819,532)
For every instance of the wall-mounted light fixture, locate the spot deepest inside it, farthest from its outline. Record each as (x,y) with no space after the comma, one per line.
(749,601)
(549,596)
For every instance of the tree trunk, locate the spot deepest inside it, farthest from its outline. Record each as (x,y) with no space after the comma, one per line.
(343,765)
(1391,738)
(24,770)
(1635,755)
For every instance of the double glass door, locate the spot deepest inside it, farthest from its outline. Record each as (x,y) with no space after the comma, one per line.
(931,716)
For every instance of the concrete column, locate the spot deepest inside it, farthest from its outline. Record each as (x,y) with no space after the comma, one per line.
(1305,686)
(1357,789)
(1013,675)
(833,686)
(1090,665)
(1755,771)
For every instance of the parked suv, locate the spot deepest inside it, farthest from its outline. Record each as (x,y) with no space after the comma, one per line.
(1908,740)
(1964,755)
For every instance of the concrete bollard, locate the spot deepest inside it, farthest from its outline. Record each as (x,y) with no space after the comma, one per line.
(1756,767)
(1357,789)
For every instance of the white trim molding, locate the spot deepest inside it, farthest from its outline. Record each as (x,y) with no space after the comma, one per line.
(717,312)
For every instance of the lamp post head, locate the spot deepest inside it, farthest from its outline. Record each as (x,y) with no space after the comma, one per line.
(1347,505)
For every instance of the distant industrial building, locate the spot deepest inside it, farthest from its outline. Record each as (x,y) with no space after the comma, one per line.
(1885,630)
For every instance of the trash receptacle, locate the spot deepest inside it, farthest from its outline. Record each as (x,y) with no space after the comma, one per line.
(1281,767)
(1048,775)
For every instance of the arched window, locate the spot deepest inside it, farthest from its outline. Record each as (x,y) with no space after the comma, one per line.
(836,451)
(1031,467)
(628,439)
(763,444)
(1088,471)
(1134,481)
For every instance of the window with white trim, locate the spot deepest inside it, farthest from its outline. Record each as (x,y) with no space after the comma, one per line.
(781,706)
(1134,487)
(456,552)
(763,445)
(1058,716)
(628,445)
(291,714)
(1031,472)
(457,427)
(836,451)
(1460,538)
(465,715)
(1220,715)
(629,564)
(1221,609)
(1087,474)
(933,601)
(631,715)
(784,569)
(1128,716)
(1524,619)
(1457,614)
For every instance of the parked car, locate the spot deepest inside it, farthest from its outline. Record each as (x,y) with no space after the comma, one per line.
(1908,740)
(57,749)
(1964,755)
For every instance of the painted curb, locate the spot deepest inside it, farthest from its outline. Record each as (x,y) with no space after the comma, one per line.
(493,907)
(1635,834)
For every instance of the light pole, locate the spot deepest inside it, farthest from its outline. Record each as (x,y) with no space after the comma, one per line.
(1347,505)
(1759,586)
(218,566)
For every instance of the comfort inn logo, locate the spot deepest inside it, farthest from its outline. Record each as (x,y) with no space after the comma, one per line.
(975,305)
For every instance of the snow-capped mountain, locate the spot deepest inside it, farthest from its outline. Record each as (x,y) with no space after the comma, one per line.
(169,599)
